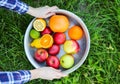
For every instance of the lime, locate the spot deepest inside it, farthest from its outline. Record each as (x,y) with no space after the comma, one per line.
(34,34)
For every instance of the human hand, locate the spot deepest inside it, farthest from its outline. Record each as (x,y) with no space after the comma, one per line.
(42,12)
(47,73)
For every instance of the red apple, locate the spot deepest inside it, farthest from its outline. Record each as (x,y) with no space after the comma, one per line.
(41,55)
(47,30)
(53,61)
(59,38)
(54,49)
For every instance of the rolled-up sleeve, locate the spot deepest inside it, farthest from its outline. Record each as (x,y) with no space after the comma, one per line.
(16,77)
(15,5)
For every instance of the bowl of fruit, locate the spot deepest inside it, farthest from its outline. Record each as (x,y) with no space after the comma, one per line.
(61,41)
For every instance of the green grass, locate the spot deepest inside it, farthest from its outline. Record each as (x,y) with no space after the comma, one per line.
(102,18)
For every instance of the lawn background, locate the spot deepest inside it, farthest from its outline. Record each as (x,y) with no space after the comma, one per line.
(102,18)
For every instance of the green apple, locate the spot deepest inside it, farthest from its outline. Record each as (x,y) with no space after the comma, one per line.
(34,34)
(66,61)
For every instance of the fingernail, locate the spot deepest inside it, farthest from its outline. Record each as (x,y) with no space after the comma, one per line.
(64,74)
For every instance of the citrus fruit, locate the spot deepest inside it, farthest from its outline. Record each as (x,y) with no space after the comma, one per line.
(59,23)
(75,32)
(46,41)
(39,24)
(36,43)
(34,34)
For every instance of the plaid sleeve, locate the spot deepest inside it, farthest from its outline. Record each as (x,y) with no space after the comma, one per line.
(15,5)
(16,77)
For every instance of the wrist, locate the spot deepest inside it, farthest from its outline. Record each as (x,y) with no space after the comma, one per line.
(30,10)
(34,74)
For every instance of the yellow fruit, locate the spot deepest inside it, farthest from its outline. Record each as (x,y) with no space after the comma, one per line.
(36,43)
(46,41)
(39,24)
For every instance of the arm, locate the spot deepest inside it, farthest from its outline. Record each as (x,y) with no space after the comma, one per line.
(14,5)
(42,12)
(22,8)
(23,76)
(46,73)
(15,77)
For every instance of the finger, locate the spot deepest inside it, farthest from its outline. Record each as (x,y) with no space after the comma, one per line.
(63,75)
(56,7)
(46,6)
(52,8)
(57,70)
(57,77)
(51,79)
(49,14)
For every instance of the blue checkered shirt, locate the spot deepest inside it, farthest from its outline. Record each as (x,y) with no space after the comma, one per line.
(15,77)
(15,5)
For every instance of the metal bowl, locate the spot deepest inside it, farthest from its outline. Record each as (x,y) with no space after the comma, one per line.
(84,43)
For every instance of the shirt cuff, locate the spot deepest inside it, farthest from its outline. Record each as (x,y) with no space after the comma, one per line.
(25,75)
(21,7)
(15,5)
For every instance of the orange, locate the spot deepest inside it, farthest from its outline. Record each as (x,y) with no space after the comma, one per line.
(39,24)
(46,41)
(59,23)
(75,32)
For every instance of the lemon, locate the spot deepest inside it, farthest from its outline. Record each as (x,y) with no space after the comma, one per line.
(34,34)
(39,24)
